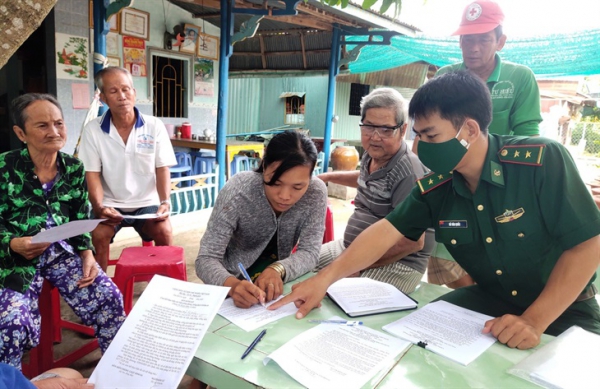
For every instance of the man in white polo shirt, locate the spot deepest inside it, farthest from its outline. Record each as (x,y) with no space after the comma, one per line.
(127,156)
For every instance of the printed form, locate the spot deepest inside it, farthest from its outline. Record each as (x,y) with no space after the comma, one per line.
(157,342)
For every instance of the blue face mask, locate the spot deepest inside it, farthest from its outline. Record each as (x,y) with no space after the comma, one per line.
(442,157)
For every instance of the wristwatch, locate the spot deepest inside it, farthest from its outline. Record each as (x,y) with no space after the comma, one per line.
(166,202)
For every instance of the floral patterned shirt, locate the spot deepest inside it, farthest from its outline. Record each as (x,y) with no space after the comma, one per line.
(24,210)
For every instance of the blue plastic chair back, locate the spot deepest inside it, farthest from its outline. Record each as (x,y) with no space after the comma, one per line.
(240,163)
(204,165)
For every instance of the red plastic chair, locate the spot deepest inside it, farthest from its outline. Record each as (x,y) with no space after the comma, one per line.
(142,263)
(328,236)
(41,358)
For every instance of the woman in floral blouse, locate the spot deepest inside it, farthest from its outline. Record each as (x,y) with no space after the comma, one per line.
(41,188)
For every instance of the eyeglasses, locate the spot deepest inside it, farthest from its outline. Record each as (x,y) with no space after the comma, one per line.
(382,131)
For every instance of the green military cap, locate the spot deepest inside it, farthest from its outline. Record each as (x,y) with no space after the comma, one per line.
(432,181)
(522,154)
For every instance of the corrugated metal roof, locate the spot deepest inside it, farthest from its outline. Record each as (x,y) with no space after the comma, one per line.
(301,42)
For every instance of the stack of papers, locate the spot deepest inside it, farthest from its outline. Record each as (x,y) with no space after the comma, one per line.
(337,356)
(445,329)
(569,361)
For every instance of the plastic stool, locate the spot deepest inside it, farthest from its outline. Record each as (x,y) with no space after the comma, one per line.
(142,263)
(41,358)
(204,165)
(240,163)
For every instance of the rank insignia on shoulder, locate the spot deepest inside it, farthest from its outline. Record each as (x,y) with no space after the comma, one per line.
(522,154)
(510,215)
(432,181)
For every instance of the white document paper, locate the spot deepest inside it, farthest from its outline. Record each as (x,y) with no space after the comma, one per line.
(337,356)
(145,216)
(157,342)
(359,296)
(569,362)
(66,231)
(445,329)
(256,316)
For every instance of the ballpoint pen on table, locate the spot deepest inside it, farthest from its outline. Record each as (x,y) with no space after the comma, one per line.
(345,322)
(254,343)
(247,277)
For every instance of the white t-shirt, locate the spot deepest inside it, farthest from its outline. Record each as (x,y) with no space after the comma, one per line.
(128,171)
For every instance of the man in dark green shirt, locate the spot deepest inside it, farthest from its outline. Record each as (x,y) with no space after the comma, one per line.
(512,211)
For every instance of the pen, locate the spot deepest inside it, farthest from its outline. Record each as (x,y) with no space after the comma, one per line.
(254,343)
(345,322)
(247,277)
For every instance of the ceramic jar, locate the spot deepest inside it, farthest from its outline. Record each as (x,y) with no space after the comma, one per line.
(344,158)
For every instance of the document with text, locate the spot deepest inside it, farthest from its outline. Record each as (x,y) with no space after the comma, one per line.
(66,231)
(337,356)
(157,341)
(360,296)
(445,329)
(569,361)
(256,316)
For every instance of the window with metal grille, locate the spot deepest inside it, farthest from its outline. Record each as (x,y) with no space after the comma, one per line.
(169,92)
(357,91)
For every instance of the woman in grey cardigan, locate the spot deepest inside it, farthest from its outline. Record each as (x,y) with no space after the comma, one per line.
(259,217)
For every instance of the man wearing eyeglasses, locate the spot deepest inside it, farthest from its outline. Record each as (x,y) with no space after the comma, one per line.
(515,100)
(388,173)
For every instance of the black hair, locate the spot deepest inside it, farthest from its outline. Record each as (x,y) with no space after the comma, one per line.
(20,104)
(292,149)
(455,96)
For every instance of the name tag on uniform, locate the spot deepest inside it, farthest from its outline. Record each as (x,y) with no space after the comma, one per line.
(453,224)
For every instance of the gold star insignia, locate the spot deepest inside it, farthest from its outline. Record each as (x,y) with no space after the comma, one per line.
(430,182)
(504,152)
(527,154)
(516,153)
(440,176)
(497,172)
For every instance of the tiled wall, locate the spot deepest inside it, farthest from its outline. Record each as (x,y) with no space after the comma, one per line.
(72,17)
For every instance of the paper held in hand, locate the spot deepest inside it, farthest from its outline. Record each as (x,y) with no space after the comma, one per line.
(445,329)
(358,296)
(66,231)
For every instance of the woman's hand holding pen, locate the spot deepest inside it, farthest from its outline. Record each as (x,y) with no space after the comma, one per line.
(270,282)
(244,293)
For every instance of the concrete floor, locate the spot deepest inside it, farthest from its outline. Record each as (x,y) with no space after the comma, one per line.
(188,229)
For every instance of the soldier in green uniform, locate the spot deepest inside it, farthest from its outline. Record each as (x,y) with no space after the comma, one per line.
(513,211)
(515,102)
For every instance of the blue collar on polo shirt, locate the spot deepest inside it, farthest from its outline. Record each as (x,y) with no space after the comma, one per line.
(105,121)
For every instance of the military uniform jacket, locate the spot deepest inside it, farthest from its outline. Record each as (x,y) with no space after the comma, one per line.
(529,207)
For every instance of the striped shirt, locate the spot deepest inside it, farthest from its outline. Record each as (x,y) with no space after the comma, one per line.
(380,192)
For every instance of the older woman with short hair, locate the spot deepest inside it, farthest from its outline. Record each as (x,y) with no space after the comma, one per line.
(41,188)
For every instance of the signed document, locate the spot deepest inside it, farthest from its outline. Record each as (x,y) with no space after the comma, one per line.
(256,316)
(157,342)
(337,356)
(445,329)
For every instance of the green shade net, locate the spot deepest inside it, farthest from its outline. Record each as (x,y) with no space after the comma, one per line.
(549,55)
